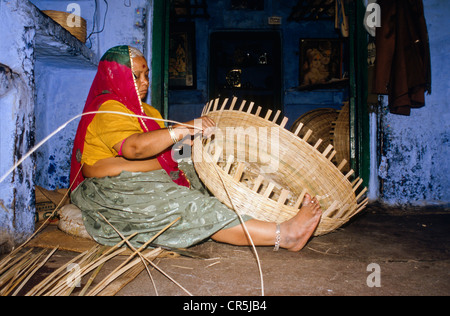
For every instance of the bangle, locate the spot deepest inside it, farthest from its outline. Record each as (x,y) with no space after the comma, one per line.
(278,238)
(172,135)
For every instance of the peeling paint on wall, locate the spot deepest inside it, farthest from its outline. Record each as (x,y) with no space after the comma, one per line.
(61,91)
(417,147)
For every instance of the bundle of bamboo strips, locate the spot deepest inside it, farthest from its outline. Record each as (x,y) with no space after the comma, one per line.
(19,266)
(17,269)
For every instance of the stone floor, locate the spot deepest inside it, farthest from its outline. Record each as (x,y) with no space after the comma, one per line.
(384,251)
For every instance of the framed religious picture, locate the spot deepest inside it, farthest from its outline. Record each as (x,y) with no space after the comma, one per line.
(321,62)
(182,56)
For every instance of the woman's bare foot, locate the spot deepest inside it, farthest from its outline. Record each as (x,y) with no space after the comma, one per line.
(296,231)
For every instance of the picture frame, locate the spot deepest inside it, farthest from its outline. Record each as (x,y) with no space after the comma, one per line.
(182,56)
(321,62)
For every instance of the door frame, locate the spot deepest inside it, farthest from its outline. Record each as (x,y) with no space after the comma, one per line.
(160,57)
(359,114)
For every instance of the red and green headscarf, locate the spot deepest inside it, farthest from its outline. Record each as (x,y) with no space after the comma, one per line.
(114,81)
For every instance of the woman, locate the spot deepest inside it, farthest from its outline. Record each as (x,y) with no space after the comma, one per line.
(122,169)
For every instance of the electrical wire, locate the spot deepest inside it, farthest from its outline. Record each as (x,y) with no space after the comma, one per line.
(94,19)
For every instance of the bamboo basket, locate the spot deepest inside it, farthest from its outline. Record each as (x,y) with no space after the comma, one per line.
(270,186)
(320,121)
(340,135)
(61,17)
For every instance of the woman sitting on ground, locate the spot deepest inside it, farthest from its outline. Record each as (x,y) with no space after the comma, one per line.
(129,177)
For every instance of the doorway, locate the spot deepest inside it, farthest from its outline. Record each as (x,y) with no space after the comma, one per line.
(246,65)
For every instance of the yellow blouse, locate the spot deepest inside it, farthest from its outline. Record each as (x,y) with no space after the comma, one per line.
(107,129)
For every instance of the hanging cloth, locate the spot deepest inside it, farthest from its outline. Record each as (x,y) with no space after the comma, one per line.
(402,65)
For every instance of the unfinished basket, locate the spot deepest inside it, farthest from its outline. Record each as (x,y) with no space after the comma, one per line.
(61,17)
(259,168)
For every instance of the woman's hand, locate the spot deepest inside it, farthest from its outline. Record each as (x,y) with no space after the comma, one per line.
(150,144)
(204,126)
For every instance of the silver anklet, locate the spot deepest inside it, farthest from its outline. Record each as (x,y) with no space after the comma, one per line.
(278,238)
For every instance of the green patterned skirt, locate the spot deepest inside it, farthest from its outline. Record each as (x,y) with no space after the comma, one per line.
(146,202)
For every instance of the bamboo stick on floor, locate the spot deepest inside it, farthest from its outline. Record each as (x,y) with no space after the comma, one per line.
(55,279)
(34,271)
(96,290)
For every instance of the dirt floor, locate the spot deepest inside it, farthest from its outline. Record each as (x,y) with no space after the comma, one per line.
(383,252)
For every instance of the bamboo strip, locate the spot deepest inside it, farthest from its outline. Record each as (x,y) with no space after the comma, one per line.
(65,281)
(348,174)
(126,277)
(357,185)
(145,259)
(233,102)
(269,190)
(332,155)
(284,122)
(317,144)
(44,284)
(242,105)
(355,180)
(299,127)
(34,271)
(307,135)
(299,201)
(361,194)
(342,164)
(276,116)
(223,104)
(361,206)
(93,276)
(283,196)
(239,171)
(14,262)
(258,111)
(327,150)
(216,103)
(55,278)
(14,267)
(217,154)
(330,209)
(61,287)
(17,273)
(258,182)
(250,107)
(209,107)
(230,161)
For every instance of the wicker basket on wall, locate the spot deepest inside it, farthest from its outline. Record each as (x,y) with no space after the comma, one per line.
(61,17)
(269,177)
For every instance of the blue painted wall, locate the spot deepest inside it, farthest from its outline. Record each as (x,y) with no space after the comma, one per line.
(61,91)
(417,147)
(62,86)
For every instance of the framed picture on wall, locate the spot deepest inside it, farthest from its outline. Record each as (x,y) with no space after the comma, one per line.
(182,56)
(320,62)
